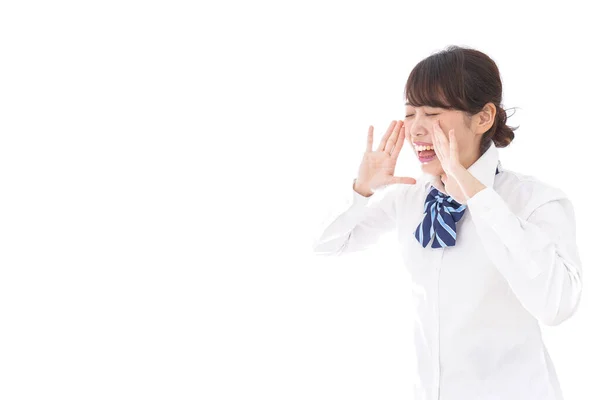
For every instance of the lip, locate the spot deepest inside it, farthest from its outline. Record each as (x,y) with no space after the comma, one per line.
(426,159)
(422,144)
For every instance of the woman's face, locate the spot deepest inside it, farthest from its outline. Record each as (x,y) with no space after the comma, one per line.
(419,128)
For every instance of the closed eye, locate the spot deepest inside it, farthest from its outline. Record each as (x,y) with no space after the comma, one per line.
(427,115)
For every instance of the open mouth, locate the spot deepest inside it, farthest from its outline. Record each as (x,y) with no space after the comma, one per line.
(426,155)
(425,152)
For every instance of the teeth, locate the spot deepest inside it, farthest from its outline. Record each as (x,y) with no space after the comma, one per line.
(421,148)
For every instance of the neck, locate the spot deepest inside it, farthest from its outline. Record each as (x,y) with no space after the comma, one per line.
(470,160)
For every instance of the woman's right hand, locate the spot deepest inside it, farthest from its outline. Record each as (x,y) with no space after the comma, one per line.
(377,167)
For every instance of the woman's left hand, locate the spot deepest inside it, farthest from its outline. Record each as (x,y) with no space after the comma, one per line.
(447,152)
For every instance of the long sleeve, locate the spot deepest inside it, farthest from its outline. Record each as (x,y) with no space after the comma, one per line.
(538,256)
(359,222)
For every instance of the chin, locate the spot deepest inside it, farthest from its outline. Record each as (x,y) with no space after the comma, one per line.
(432,168)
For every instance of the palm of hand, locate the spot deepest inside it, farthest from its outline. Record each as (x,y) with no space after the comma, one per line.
(378,167)
(447,152)
(382,164)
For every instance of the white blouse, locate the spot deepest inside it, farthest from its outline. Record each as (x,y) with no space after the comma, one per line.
(479,303)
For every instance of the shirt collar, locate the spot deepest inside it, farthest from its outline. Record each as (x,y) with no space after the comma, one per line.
(484,170)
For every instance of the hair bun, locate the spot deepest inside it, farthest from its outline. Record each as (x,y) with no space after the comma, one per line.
(502,134)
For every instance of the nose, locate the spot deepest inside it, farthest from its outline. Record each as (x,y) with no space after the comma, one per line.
(417,128)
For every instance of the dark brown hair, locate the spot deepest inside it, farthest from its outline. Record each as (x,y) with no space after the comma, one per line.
(463,79)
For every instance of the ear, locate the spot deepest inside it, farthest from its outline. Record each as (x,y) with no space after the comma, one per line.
(485,118)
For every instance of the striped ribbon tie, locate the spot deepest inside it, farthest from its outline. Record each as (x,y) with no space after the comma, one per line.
(441,214)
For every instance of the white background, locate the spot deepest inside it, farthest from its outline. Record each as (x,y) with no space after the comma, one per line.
(164,166)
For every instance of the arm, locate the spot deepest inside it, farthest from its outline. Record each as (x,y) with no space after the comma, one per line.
(538,255)
(359,222)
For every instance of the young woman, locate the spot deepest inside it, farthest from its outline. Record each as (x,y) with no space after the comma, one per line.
(491,252)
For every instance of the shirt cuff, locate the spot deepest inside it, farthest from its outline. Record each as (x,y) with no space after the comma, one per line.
(359,199)
(488,205)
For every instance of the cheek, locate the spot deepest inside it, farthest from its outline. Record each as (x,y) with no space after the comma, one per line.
(407,139)
(462,140)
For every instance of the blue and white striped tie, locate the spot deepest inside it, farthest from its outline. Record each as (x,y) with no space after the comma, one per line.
(442,213)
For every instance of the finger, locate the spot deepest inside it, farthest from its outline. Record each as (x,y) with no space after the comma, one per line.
(370,138)
(442,136)
(392,139)
(386,136)
(438,141)
(399,142)
(453,144)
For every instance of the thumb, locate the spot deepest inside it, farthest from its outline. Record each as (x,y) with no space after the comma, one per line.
(401,179)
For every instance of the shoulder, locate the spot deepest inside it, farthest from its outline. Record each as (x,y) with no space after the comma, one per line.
(525,193)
